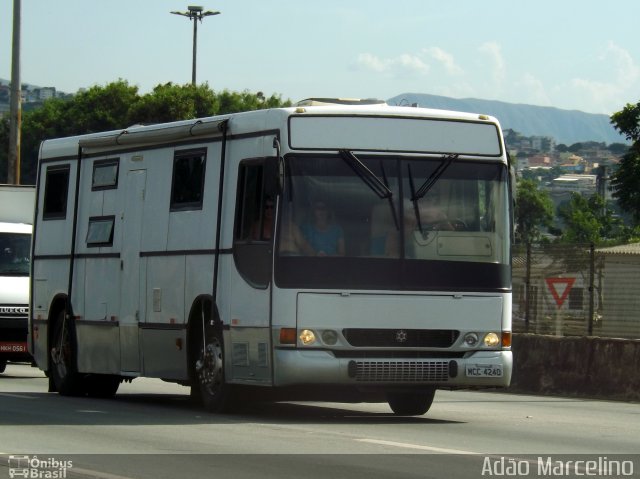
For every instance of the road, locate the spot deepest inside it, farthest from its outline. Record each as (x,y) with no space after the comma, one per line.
(151,430)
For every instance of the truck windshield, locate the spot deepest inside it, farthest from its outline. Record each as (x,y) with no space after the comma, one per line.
(14,254)
(336,230)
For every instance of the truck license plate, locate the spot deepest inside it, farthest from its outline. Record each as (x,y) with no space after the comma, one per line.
(13,347)
(484,371)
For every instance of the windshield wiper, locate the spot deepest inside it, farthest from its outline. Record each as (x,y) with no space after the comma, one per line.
(427,185)
(433,178)
(369,178)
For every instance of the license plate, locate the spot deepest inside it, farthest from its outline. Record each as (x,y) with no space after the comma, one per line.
(484,371)
(13,347)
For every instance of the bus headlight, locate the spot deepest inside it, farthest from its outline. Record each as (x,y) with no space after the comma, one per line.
(307,337)
(471,339)
(491,340)
(329,337)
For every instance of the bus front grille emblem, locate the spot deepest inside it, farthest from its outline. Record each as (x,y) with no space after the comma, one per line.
(401,336)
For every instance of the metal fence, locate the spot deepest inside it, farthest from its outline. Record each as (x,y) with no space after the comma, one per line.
(577,290)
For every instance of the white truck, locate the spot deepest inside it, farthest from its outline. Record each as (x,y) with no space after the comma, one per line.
(16,216)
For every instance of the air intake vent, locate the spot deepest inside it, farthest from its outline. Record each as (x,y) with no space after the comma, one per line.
(401,371)
(240,354)
(340,101)
(263,355)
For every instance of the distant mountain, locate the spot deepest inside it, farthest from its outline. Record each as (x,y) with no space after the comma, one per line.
(566,126)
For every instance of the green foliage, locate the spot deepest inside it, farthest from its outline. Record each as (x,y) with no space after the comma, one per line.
(592,221)
(171,102)
(627,121)
(533,211)
(626,179)
(118,105)
(625,182)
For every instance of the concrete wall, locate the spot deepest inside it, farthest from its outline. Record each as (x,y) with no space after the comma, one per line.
(576,366)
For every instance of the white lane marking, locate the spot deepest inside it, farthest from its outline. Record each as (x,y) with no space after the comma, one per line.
(405,445)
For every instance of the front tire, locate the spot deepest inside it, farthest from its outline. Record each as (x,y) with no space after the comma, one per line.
(411,403)
(209,384)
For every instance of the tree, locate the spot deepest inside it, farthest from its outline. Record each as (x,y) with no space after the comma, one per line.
(534,211)
(117,106)
(586,220)
(626,179)
(171,102)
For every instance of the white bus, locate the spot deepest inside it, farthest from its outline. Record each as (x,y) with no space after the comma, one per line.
(355,251)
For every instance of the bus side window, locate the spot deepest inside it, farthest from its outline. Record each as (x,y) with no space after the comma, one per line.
(56,191)
(253,231)
(187,184)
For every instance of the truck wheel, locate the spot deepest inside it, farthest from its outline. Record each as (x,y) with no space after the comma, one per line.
(209,383)
(62,351)
(411,403)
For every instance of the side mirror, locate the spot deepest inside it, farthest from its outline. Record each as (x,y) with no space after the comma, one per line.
(273,176)
(274,171)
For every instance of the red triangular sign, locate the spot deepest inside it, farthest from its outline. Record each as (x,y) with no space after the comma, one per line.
(559,288)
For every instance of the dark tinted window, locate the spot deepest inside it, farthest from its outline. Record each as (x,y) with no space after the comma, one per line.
(253,236)
(187,188)
(55,193)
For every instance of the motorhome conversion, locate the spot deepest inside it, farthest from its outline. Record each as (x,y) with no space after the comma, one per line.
(185,251)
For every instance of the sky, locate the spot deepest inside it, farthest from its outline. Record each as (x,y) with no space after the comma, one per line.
(570,54)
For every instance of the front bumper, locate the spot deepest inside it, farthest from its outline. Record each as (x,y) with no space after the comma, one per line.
(299,367)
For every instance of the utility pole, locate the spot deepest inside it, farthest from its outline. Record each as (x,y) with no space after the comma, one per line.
(195,13)
(15,110)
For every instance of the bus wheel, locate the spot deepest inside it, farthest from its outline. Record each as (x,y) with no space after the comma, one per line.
(411,403)
(210,382)
(63,367)
(102,385)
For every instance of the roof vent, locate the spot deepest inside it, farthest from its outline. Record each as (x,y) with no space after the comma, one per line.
(339,101)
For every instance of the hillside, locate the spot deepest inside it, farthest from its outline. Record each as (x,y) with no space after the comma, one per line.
(566,126)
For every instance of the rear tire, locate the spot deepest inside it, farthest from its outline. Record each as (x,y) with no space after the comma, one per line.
(62,351)
(411,403)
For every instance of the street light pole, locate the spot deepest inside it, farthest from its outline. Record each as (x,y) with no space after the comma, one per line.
(196,14)
(15,120)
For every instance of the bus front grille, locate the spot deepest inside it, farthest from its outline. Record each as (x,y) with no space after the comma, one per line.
(400,371)
(401,338)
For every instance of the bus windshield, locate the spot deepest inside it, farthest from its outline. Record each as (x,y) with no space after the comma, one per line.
(370,222)
(14,254)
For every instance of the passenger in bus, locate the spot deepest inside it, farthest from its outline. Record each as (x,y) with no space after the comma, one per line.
(323,234)
(292,241)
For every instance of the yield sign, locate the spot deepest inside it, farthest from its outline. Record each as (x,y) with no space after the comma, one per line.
(560,288)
